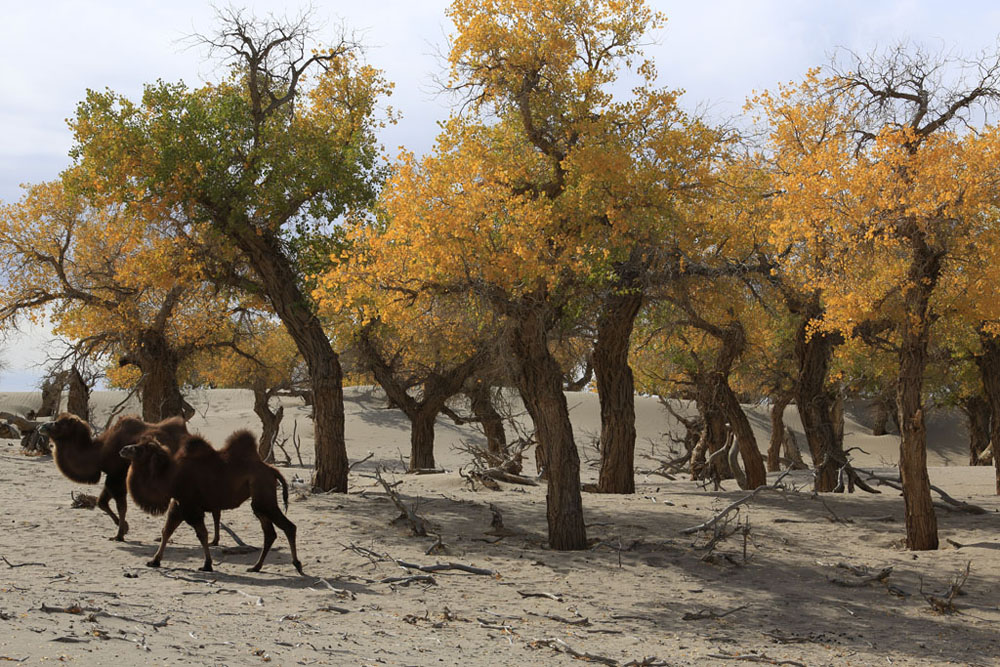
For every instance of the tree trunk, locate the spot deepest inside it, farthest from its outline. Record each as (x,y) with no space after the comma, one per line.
(977,415)
(51,395)
(294,309)
(883,407)
(753,463)
(781,402)
(269,421)
(481,402)
(78,401)
(988,362)
(158,363)
(921,522)
(714,432)
(422,438)
(813,349)
(616,392)
(540,383)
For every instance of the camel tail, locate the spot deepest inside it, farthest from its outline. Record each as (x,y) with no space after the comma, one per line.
(284,485)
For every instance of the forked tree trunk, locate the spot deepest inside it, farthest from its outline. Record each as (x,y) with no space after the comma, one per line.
(540,383)
(78,400)
(713,434)
(921,521)
(781,402)
(481,402)
(988,362)
(616,391)
(274,269)
(270,422)
(977,415)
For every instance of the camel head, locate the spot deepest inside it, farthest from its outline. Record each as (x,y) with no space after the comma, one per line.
(147,449)
(66,427)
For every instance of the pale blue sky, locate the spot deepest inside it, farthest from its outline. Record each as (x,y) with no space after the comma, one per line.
(719,51)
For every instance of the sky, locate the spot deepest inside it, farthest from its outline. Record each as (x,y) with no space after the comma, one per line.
(718,51)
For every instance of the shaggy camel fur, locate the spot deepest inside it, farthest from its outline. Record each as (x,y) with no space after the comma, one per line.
(198,479)
(82,457)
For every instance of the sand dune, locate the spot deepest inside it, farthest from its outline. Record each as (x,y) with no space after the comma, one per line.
(642,591)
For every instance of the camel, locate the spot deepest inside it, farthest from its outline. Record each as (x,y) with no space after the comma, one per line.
(197,479)
(82,457)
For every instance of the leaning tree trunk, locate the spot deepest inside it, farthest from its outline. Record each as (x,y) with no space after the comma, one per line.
(753,463)
(616,392)
(713,434)
(325,376)
(815,405)
(977,415)
(481,403)
(270,422)
(540,383)
(78,400)
(777,431)
(988,362)
(921,521)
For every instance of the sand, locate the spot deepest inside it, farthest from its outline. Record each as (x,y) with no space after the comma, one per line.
(644,593)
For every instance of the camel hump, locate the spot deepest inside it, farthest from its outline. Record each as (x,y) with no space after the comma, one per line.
(241,445)
(195,446)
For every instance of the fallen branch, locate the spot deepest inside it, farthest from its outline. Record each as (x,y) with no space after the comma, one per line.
(708,613)
(97,612)
(776,486)
(439,567)
(236,538)
(946,604)
(863,574)
(551,596)
(418,525)
(13,565)
(750,657)
(405,581)
(897,484)
(360,461)
(560,646)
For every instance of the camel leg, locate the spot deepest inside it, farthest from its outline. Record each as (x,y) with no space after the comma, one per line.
(104,502)
(285,524)
(269,535)
(202,533)
(121,502)
(216,518)
(169,526)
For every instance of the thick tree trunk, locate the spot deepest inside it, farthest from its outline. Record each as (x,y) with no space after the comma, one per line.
(281,283)
(158,362)
(815,404)
(713,434)
(977,415)
(616,391)
(753,462)
(270,422)
(988,362)
(921,521)
(781,402)
(78,401)
(481,402)
(51,395)
(540,383)
(422,438)
(884,409)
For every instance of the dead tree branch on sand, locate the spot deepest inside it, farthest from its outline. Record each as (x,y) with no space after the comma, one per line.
(896,483)
(418,525)
(946,604)
(776,486)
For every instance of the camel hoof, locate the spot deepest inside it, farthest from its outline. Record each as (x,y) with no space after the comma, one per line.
(153,563)
(117,538)
(213,543)
(255,568)
(298,567)
(206,568)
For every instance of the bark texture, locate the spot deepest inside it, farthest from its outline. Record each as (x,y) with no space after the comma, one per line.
(78,399)
(781,402)
(616,391)
(270,422)
(988,362)
(540,384)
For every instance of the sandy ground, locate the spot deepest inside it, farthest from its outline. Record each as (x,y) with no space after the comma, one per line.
(644,593)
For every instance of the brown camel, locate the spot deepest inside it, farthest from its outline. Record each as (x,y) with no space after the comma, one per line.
(197,479)
(82,457)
